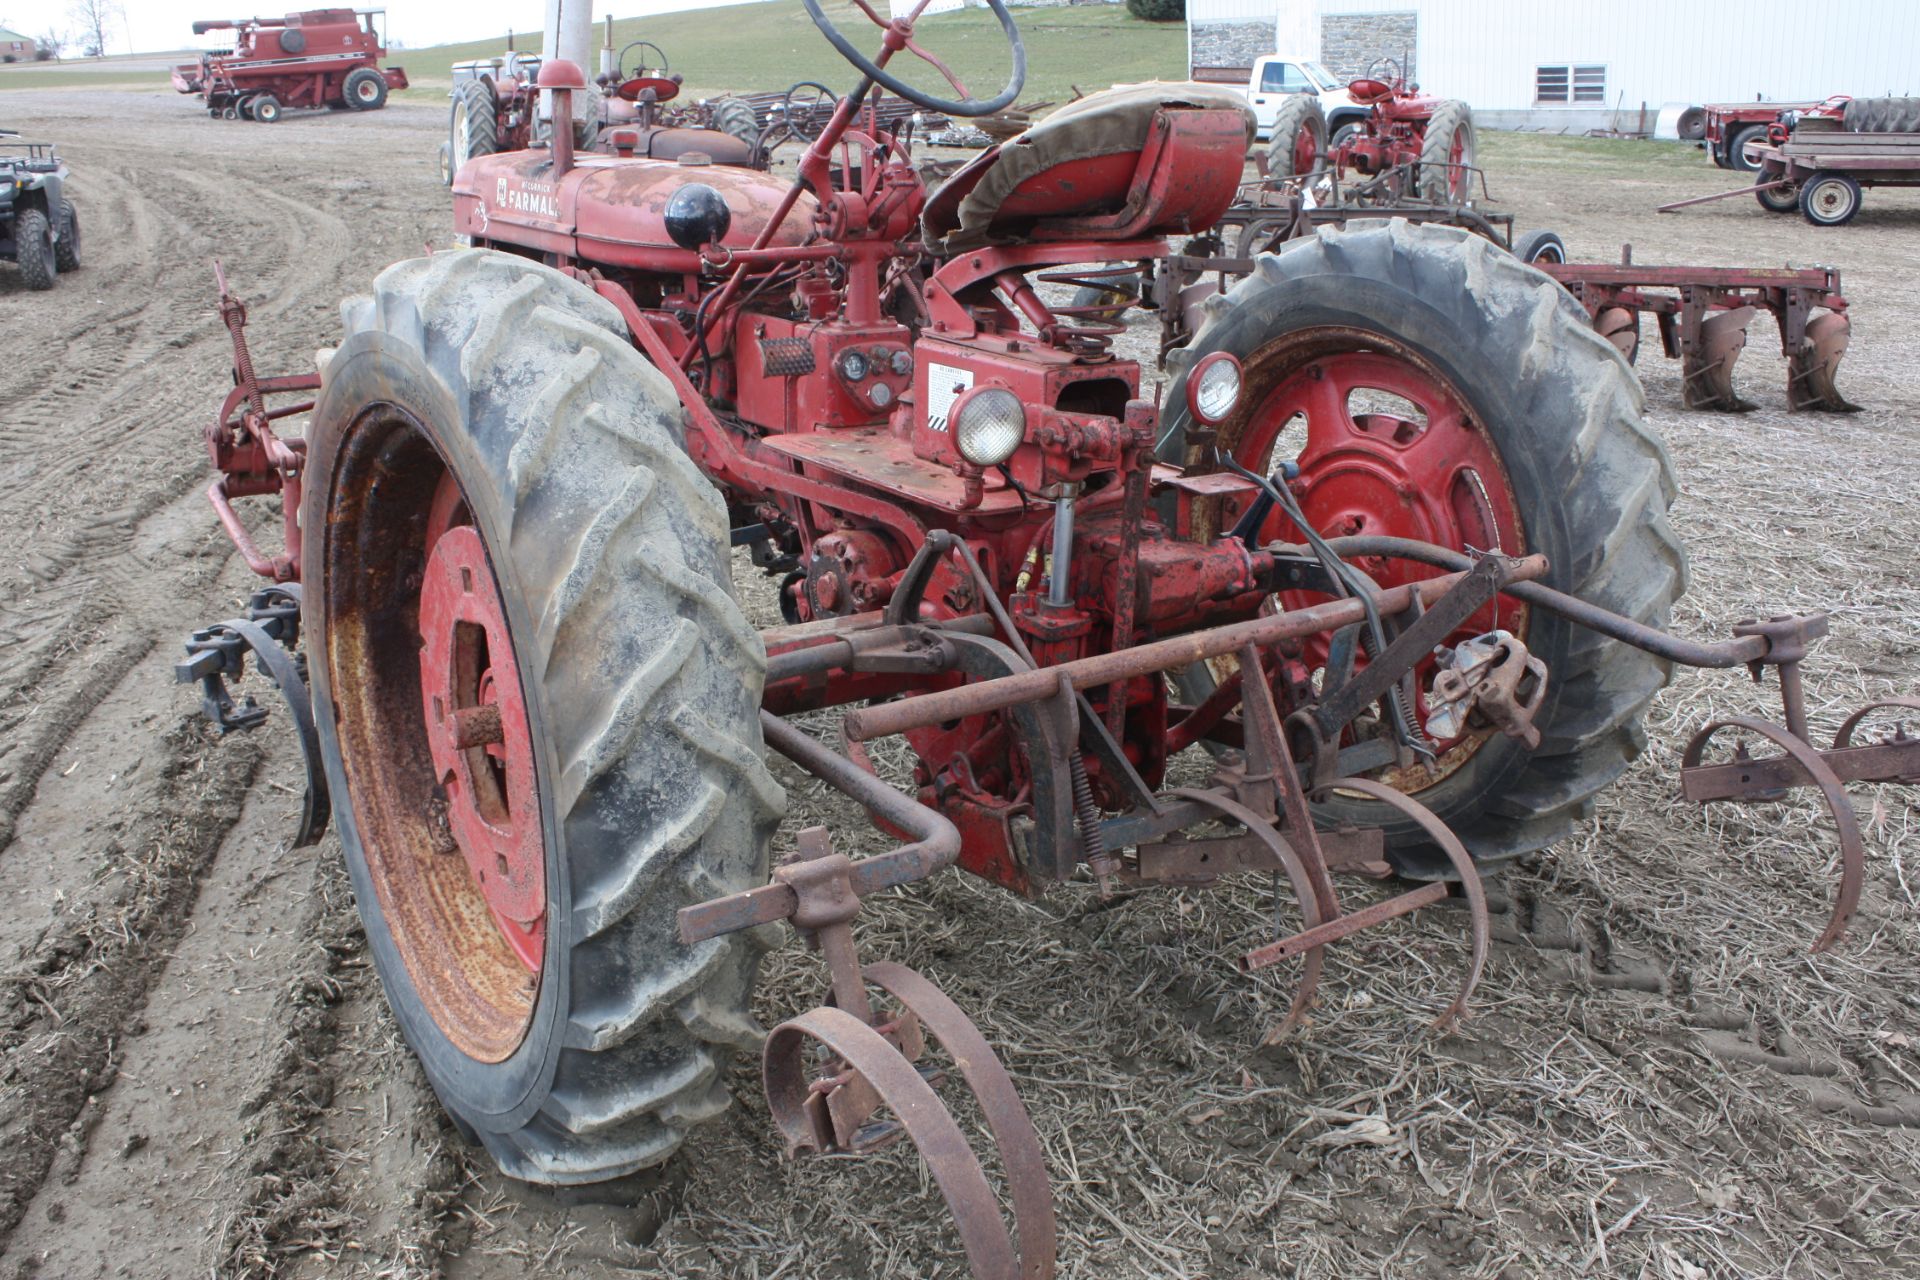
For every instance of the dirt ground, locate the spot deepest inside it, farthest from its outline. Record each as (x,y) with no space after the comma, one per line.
(200,1076)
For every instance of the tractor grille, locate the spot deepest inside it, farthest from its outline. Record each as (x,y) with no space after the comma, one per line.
(786,357)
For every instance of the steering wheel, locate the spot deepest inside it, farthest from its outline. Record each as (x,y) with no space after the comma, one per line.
(1398,75)
(807,108)
(900,30)
(620,63)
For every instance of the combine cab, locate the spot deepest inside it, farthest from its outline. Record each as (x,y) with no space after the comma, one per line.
(319,58)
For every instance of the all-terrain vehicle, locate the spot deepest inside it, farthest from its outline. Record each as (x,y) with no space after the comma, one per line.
(39,227)
(1390,557)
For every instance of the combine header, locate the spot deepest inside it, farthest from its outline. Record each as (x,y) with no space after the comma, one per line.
(317,58)
(1390,556)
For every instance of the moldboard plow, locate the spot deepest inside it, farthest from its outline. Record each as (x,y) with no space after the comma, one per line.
(1388,570)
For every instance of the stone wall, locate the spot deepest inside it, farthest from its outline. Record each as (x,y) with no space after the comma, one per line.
(1350,41)
(1230,44)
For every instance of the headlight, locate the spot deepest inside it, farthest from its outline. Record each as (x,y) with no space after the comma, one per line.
(988,425)
(1213,388)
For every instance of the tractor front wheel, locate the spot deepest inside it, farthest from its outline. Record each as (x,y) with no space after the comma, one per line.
(1431,386)
(538,704)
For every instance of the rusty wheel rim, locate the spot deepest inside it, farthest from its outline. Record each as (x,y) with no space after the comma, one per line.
(436,737)
(1435,477)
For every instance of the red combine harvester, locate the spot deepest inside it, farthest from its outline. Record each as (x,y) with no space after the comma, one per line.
(319,58)
(1391,554)
(1422,146)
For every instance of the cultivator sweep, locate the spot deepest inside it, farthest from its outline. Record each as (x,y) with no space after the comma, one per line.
(1392,573)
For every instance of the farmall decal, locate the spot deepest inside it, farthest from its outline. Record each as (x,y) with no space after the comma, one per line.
(527,197)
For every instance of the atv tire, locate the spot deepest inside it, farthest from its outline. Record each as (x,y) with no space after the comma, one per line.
(735,118)
(639,677)
(1590,486)
(33,249)
(1299,124)
(1449,140)
(473,125)
(66,250)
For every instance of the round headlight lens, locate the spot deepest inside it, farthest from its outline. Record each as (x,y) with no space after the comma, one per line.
(1214,388)
(853,366)
(989,426)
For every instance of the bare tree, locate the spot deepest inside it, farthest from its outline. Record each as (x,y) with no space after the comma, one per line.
(47,47)
(92,18)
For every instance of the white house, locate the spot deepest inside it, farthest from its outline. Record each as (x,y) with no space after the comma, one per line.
(1554,64)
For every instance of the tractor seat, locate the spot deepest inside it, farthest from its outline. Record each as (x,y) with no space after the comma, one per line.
(1366,92)
(1085,169)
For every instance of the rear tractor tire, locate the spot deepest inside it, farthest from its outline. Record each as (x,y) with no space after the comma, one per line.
(1448,150)
(473,126)
(33,249)
(1882,115)
(735,118)
(1297,147)
(538,704)
(1429,385)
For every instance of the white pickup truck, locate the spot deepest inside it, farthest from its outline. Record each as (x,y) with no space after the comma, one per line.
(1277,77)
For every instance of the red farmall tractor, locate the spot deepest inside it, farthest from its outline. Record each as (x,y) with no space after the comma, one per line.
(317,58)
(1388,561)
(1409,145)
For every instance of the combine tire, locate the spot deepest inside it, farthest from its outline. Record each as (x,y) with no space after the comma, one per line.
(1882,115)
(473,127)
(1738,158)
(267,109)
(538,704)
(736,119)
(33,249)
(1448,143)
(1532,441)
(1298,143)
(66,250)
(1829,199)
(365,89)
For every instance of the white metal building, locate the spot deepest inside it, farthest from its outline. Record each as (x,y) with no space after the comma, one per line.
(1558,64)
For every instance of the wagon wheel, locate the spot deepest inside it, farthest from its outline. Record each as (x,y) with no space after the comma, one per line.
(1430,386)
(538,705)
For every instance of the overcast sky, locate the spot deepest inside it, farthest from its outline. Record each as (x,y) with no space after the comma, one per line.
(154,25)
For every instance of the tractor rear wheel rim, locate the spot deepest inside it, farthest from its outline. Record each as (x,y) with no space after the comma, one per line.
(1391,448)
(436,737)
(1306,149)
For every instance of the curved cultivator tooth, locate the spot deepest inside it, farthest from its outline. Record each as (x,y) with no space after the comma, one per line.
(1707,372)
(871,1069)
(1811,369)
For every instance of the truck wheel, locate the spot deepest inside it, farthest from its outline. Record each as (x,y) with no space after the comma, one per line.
(735,118)
(365,89)
(1738,157)
(473,128)
(1540,245)
(1431,386)
(1829,199)
(1447,145)
(267,109)
(33,249)
(66,250)
(1298,143)
(538,704)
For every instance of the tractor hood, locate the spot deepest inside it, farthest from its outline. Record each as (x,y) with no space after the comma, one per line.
(612,209)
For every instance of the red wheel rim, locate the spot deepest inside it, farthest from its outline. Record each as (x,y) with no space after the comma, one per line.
(1390,448)
(1306,148)
(477,729)
(1457,156)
